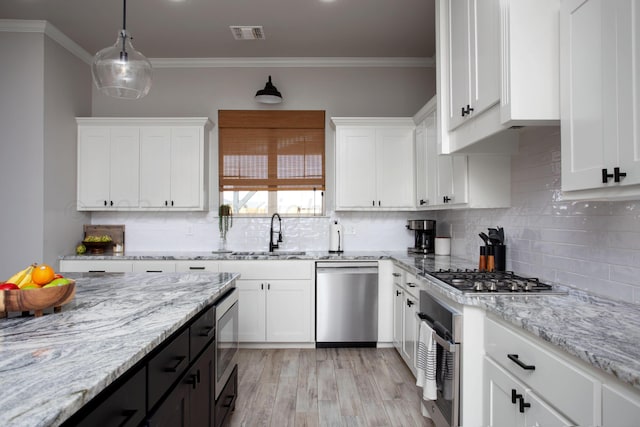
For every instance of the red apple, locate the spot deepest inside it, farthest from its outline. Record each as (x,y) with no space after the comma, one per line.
(8,287)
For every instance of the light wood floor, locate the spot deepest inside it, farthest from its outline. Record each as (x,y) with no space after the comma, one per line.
(326,387)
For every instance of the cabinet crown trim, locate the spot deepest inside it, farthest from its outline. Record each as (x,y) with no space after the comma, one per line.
(142,121)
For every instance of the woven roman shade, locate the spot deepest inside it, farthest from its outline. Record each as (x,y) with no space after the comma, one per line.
(271,150)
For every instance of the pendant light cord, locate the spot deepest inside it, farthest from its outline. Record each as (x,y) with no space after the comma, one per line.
(124,14)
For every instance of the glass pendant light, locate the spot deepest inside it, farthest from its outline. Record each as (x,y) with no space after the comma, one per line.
(121,71)
(269,95)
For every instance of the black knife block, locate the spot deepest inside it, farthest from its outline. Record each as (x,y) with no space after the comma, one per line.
(500,257)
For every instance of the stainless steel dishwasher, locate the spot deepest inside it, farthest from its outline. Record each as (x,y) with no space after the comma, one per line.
(346,304)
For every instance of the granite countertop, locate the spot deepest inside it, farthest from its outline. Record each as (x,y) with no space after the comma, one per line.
(53,365)
(229,255)
(600,331)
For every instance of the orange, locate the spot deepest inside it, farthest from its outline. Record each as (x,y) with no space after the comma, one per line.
(42,274)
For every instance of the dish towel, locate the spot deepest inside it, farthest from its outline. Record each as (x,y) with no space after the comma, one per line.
(426,362)
(447,376)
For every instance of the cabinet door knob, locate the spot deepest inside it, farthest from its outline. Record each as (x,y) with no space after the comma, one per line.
(606,176)
(398,293)
(111,203)
(166,203)
(617,174)
(172,203)
(423,202)
(105,203)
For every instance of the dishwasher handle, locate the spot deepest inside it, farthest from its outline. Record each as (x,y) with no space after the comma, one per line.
(346,270)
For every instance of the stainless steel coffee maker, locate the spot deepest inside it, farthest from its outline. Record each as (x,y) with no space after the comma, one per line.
(425,234)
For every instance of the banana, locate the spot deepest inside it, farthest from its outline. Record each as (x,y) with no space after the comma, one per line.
(16,278)
(22,277)
(27,277)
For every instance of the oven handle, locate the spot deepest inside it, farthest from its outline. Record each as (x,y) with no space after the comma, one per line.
(446,345)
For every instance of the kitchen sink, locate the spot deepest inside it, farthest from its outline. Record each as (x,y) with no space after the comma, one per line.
(266,253)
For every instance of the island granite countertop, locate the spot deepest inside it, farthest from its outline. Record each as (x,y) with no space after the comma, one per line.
(600,331)
(53,365)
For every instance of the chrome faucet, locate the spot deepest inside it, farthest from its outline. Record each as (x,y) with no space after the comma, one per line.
(272,245)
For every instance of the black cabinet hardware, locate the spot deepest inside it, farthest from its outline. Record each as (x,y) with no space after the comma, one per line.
(111,203)
(411,284)
(523,405)
(268,286)
(97,271)
(514,396)
(193,381)
(398,293)
(262,286)
(128,415)
(463,112)
(207,332)
(172,203)
(423,202)
(179,361)
(373,203)
(617,174)
(446,199)
(514,358)
(154,271)
(466,111)
(196,268)
(166,203)
(105,203)
(395,274)
(606,176)
(410,303)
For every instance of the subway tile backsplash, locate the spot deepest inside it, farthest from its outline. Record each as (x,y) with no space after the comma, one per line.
(590,245)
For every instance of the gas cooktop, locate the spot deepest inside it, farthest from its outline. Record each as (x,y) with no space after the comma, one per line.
(493,283)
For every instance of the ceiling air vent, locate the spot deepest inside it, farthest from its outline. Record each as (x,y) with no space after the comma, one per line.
(247,32)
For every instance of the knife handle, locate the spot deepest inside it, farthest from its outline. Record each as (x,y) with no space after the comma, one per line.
(491,266)
(482,263)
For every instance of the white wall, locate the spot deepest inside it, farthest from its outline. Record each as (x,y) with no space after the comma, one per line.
(21,129)
(202,92)
(589,245)
(43,87)
(67,94)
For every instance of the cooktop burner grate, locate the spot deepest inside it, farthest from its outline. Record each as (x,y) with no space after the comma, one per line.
(495,282)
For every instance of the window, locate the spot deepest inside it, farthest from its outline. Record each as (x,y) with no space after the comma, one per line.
(272,161)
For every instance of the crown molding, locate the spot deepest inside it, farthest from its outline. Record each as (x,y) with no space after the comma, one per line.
(292,62)
(34,26)
(31,26)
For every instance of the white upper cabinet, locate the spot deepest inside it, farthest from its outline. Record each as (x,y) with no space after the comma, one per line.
(171,161)
(600,107)
(456,180)
(474,79)
(497,67)
(374,163)
(142,163)
(108,168)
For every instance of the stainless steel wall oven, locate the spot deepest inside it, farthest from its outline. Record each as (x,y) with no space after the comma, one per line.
(446,323)
(226,356)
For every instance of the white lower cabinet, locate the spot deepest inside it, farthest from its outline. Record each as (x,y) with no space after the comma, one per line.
(405,322)
(96,266)
(154,266)
(570,393)
(276,300)
(385,303)
(620,406)
(195,266)
(511,403)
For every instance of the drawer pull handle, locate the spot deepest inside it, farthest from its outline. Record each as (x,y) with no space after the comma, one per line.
(97,271)
(395,274)
(174,368)
(230,400)
(208,331)
(154,271)
(128,414)
(196,268)
(514,358)
(411,284)
(514,396)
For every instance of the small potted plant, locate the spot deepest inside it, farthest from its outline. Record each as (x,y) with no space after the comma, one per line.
(225,222)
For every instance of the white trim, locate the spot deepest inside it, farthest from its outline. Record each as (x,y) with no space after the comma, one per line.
(372,121)
(34,26)
(302,62)
(31,26)
(141,121)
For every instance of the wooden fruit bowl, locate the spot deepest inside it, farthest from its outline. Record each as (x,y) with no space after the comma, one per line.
(36,300)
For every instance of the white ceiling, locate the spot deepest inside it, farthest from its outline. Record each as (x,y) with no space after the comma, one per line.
(200,28)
